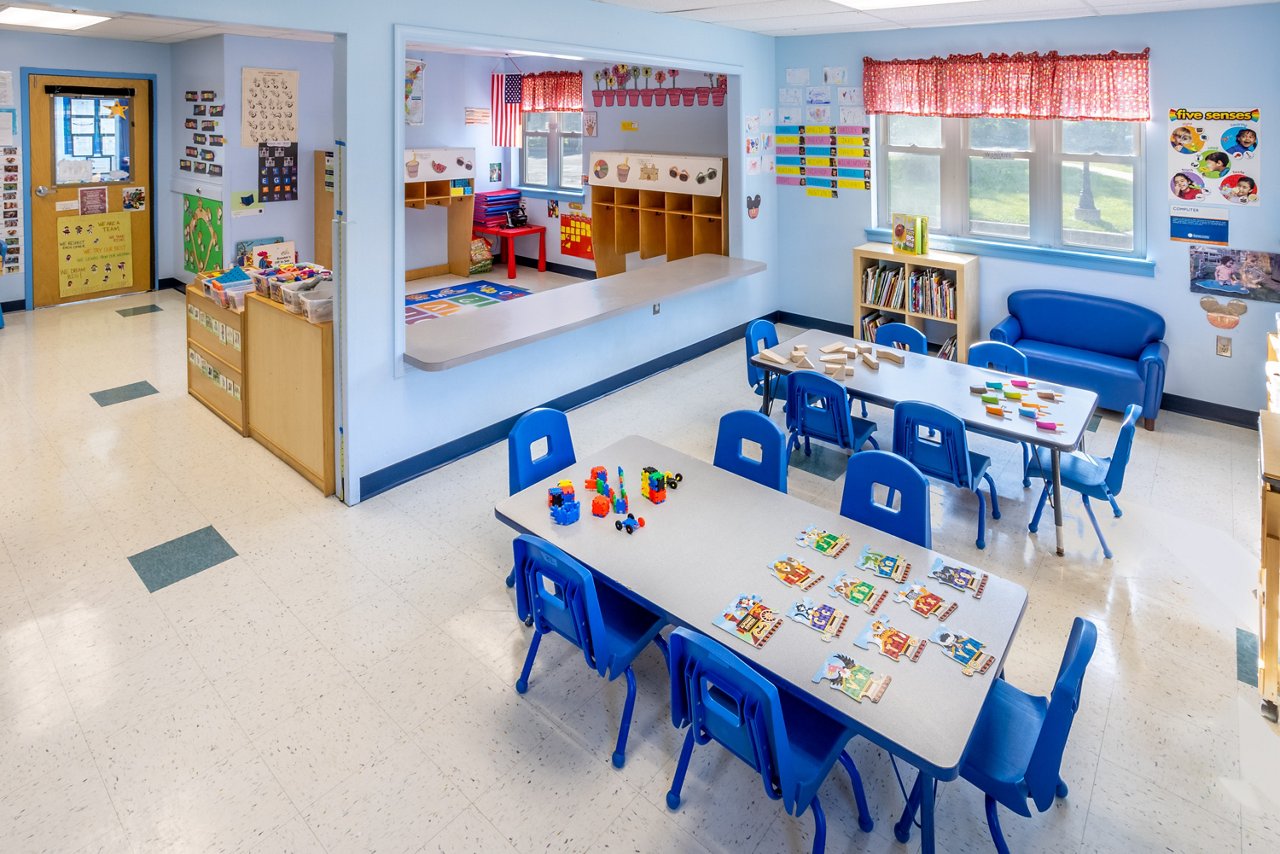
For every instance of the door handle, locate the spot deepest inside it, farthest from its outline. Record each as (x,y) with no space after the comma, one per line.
(42,191)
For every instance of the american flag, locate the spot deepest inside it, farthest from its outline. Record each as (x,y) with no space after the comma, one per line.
(506,110)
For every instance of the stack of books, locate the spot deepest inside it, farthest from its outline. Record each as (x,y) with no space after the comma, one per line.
(885,285)
(872,322)
(933,294)
(948,349)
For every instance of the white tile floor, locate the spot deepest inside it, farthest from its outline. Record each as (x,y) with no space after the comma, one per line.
(344,684)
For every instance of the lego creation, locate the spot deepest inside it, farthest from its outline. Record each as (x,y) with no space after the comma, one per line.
(564,506)
(629,524)
(883,565)
(859,592)
(600,506)
(892,643)
(924,602)
(654,484)
(793,573)
(852,679)
(749,620)
(960,577)
(620,502)
(963,649)
(823,619)
(822,542)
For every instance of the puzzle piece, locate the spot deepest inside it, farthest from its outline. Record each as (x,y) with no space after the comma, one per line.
(793,573)
(895,567)
(824,619)
(893,643)
(960,577)
(823,542)
(749,620)
(924,602)
(857,591)
(962,648)
(852,679)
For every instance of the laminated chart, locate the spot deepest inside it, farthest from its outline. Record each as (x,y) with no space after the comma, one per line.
(824,159)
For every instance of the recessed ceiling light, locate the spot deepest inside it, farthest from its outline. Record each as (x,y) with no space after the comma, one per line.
(548,55)
(16,16)
(879,5)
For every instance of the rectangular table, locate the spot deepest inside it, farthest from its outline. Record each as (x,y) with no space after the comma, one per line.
(714,539)
(945,384)
(509,235)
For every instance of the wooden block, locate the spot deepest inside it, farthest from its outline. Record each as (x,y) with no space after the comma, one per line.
(833,347)
(797,354)
(805,363)
(859,347)
(848,370)
(870,360)
(834,370)
(836,357)
(890,354)
(803,348)
(772,357)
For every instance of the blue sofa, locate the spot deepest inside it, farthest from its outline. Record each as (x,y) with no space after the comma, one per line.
(1114,348)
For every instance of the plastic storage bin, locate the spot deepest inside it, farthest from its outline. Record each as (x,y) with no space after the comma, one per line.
(291,293)
(317,303)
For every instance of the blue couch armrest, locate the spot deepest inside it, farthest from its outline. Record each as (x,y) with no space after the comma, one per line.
(1151,366)
(1007,331)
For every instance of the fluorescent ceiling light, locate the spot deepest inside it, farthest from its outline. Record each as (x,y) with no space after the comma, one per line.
(879,5)
(550,55)
(16,16)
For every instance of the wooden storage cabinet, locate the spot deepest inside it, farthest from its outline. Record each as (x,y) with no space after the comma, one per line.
(1269,567)
(215,358)
(444,177)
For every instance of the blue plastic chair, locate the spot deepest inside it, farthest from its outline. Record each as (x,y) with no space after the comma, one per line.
(818,408)
(789,742)
(1093,477)
(559,595)
(944,453)
(1015,752)
(760,334)
(911,520)
(999,356)
(522,469)
(903,336)
(748,425)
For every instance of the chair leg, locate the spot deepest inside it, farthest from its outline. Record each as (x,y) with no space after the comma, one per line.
(865,822)
(661,643)
(982,520)
(993,822)
(1062,788)
(511,577)
(1115,508)
(807,450)
(864,408)
(1026,465)
(620,752)
(995,499)
(819,826)
(874,443)
(522,684)
(1035,519)
(1088,508)
(902,830)
(682,767)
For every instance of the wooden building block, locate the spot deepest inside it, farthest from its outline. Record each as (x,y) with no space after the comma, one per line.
(833,347)
(891,354)
(772,357)
(836,357)
(805,363)
(870,360)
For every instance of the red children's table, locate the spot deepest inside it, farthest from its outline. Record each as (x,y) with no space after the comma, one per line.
(508,236)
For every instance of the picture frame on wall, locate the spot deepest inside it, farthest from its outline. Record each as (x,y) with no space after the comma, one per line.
(590,123)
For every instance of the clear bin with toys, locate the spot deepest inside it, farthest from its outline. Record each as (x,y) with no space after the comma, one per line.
(317,303)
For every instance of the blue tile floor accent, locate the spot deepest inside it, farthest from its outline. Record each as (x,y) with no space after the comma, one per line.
(132,391)
(181,558)
(1092,426)
(827,463)
(140,309)
(1246,657)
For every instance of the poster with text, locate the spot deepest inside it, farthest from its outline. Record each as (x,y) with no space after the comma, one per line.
(1215,156)
(11,229)
(201,234)
(413,82)
(95,253)
(268,106)
(277,172)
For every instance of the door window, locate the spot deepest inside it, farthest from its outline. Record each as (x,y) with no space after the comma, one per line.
(91,139)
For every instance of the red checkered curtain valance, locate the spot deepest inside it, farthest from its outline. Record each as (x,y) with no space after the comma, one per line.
(1104,87)
(553,92)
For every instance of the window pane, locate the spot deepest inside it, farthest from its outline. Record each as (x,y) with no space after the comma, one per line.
(1098,137)
(1100,215)
(914,186)
(535,160)
(571,162)
(90,139)
(570,122)
(1000,134)
(1000,197)
(925,131)
(537,121)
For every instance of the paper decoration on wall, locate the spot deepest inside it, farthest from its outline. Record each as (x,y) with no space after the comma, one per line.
(201,234)
(200,130)
(1215,156)
(6,88)
(11,228)
(268,106)
(818,114)
(797,76)
(1194,224)
(590,123)
(825,158)
(245,203)
(278,172)
(8,126)
(630,127)
(849,96)
(93,200)
(553,208)
(790,96)
(1223,316)
(95,253)
(835,74)
(495,173)
(1235,272)
(414,74)
(575,236)
(208,95)
(753,206)
(817,95)
(476,115)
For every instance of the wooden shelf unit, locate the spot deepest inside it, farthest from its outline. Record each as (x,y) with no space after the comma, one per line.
(958,268)
(424,187)
(1268,592)
(216,340)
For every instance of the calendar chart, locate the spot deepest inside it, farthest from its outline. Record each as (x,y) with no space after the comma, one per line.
(824,159)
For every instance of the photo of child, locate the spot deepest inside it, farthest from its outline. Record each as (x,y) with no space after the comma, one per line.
(1248,275)
(1187,185)
(1214,164)
(1185,140)
(1240,141)
(1239,188)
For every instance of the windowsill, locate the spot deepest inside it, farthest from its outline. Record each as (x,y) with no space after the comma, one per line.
(1035,254)
(544,193)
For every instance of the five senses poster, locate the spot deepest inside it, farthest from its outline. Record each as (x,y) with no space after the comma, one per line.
(1215,156)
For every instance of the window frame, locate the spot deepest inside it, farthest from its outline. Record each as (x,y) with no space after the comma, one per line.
(555,138)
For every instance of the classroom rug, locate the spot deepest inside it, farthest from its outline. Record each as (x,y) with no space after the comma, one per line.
(453,299)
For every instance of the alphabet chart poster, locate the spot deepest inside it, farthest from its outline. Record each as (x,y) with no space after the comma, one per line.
(1215,156)
(269,106)
(278,172)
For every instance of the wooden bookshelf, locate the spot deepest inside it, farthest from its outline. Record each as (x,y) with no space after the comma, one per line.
(962,270)
(433,178)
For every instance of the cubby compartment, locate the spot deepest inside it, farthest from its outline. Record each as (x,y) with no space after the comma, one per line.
(680,202)
(626,198)
(708,236)
(679,236)
(651,200)
(709,205)
(653,233)
(626,236)
(602,195)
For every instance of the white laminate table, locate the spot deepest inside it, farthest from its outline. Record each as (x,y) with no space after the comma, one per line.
(945,384)
(714,539)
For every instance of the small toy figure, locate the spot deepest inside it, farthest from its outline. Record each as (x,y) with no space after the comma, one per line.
(749,620)
(960,577)
(857,591)
(629,524)
(893,643)
(600,506)
(565,509)
(791,572)
(995,385)
(653,485)
(822,542)
(991,399)
(852,679)
(977,389)
(1049,395)
(1023,384)
(925,603)
(823,619)
(883,565)
(961,648)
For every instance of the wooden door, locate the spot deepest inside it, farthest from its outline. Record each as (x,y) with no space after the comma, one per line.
(90,188)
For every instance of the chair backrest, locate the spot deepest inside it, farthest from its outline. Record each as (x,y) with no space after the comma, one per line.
(560,595)
(723,699)
(1124,446)
(550,424)
(897,334)
(751,426)
(818,406)
(910,521)
(998,356)
(942,453)
(1046,758)
(760,333)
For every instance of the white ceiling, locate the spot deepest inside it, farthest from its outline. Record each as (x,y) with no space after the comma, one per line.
(142,28)
(812,17)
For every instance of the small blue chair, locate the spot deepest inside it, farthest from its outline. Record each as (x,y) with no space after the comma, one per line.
(751,426)
(558,594)
(1015,751)
(789,742)
(902,336)
(944,453)
(998,356)
(1093,477)
(522,469)
(761,334)
(911,520)
(818,408)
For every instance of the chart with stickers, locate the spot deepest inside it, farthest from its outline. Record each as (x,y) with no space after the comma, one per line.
(824,159)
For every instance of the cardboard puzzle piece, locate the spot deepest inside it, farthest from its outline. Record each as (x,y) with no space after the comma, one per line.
(823,619)
(960,577)
(883,565)
(823,542)
(859,592)
(793,573)
(893,643)
(925,603)
(749,620)
(963,649)
(852,679)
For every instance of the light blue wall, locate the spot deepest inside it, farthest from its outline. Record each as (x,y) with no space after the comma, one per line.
(195,65)
(816,236)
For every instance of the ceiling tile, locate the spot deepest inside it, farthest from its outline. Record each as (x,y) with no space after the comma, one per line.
(747,12)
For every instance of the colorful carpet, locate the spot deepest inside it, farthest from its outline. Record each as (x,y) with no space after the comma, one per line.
(453,299)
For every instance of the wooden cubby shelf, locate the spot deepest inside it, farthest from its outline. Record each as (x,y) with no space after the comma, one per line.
(451,187)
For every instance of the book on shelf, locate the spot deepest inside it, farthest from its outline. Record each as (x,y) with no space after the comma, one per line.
(910,233)
(932,293)
(885,285)
(948,349)
(872,322)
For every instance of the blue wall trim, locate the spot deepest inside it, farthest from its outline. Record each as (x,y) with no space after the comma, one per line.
(1034,254)
(1247,418)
